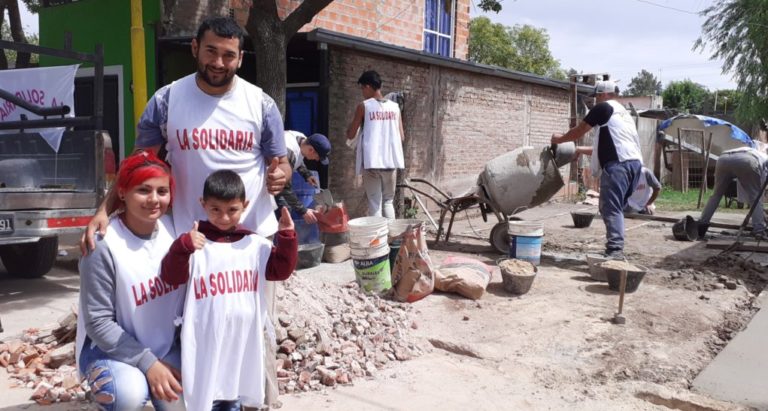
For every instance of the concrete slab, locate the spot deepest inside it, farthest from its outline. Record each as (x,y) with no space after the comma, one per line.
(739,373)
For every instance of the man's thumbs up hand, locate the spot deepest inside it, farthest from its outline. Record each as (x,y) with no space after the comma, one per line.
(275,177)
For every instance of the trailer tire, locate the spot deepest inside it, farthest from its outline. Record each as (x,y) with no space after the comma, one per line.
(30,260)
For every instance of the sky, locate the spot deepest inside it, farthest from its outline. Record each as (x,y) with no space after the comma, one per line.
(621,37)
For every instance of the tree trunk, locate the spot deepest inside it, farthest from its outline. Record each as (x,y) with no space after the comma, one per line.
(182,17)
(17,31)
(270,37)
(3,58)
(270,45)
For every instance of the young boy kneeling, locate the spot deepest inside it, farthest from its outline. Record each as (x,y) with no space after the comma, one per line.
(225,266)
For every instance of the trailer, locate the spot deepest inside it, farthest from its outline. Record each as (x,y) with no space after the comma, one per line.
(45,192)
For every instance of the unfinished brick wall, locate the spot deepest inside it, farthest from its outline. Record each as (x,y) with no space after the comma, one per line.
(395,22)
(455,121)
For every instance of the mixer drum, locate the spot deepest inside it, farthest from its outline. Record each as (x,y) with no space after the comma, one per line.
(520,179)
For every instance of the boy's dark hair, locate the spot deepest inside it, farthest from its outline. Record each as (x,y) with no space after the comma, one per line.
(224,185)
(370,78)
(223,27)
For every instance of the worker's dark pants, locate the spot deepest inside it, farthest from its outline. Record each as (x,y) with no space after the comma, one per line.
(617,182)
(745,167)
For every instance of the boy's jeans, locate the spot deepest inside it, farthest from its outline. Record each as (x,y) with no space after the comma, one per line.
(118,386)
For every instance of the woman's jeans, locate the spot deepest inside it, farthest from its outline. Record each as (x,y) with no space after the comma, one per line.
(118,386)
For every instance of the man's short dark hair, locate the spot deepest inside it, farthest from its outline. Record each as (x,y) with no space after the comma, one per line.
(225,27)
(224,185)
(370,78)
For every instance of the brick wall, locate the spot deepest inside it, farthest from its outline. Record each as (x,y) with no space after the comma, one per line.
(396,22)
(455,121)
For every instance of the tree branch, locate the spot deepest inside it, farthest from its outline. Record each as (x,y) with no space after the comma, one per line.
(303,15)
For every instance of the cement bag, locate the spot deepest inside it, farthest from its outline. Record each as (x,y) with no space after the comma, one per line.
(465,276)
(413,276)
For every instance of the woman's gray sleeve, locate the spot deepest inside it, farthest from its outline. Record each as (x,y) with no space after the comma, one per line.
(97,307)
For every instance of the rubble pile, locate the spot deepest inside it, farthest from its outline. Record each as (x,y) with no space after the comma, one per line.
(722,271)
(44,359)
(329,335)
(752,274)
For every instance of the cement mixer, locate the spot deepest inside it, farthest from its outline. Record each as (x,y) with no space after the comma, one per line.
(521,179)
(510,183)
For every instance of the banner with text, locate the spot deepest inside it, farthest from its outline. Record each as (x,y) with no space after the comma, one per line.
(41,86)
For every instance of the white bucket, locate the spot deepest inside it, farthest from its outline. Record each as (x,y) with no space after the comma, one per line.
(366,232)
(525,240)
(370,253)
(398,227)
(372,271)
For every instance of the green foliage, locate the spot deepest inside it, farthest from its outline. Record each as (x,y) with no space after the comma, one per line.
(490,43)
(737,33)
(32,5)
(533,55)
(644,84)
(490,5)
(722,103)
(671,200)
(522,47)
(5,34)
(685,96)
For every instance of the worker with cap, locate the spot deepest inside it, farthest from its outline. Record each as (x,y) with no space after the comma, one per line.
(618,160)
(315,147)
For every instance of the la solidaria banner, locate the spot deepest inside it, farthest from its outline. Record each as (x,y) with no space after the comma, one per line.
(40,86)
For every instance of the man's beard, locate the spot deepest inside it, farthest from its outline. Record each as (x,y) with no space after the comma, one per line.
(227,78)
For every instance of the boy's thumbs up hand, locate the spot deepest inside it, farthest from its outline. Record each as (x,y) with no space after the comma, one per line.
(275,177)
(198,239)
(286,222)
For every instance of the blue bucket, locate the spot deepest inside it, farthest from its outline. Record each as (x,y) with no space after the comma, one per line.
(525,241)
(305,192)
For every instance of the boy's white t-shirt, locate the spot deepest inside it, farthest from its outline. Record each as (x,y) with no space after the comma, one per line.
(222,339)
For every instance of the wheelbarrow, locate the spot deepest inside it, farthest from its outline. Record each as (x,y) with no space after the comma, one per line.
(513,182)
(452,205)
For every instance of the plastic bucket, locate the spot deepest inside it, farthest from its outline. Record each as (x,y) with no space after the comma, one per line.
(368,232)
(525,241)
(394,249)
(398,227)
(372,271)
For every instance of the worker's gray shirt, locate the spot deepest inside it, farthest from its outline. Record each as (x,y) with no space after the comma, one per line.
(743,195)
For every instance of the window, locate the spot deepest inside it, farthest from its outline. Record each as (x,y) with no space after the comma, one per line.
(438,27)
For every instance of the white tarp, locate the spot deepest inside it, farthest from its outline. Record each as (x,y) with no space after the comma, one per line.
(41,86)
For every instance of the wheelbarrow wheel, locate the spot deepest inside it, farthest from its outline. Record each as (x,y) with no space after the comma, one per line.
(500,238)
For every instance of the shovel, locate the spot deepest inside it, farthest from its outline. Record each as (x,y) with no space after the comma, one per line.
(618,318)
(324,198)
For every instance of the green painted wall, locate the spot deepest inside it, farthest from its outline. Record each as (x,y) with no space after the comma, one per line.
(107,22)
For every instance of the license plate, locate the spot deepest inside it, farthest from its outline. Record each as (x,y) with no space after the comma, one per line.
(6,224)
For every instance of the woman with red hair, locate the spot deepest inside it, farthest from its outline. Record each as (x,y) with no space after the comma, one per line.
(126,345)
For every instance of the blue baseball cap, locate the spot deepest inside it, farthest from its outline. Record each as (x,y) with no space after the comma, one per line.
(321,144)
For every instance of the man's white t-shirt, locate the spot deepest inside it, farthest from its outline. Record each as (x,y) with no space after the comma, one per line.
(380,146)
(208,133)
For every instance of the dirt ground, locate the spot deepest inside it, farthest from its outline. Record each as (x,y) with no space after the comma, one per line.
(554,347)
